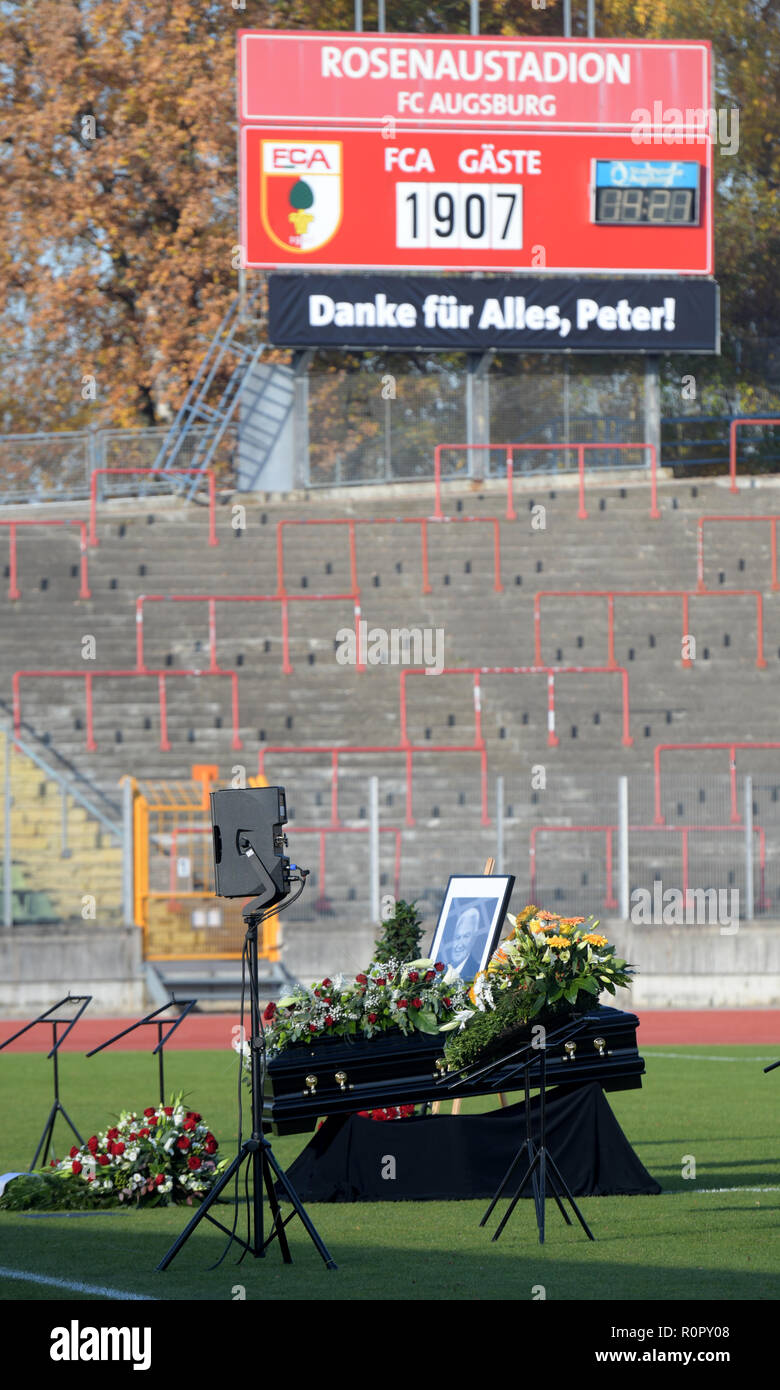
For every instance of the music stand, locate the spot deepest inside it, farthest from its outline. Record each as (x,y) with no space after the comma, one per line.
(541,1164)
(57,1108)
(159,1024)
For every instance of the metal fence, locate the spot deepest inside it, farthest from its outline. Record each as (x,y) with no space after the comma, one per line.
(58,466)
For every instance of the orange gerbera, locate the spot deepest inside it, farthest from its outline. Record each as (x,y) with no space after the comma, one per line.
(594,939)
(558,941)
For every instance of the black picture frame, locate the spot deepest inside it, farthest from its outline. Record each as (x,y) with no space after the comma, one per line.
(470,921)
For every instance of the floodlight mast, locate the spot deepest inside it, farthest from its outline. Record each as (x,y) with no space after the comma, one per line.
(250,845)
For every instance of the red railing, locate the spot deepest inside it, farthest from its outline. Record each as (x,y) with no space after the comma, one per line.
(321,831)
(511,449)
(700,545)
(213,599)
(421,521)
(89,676)
(13,586)
(610,900)
(541,670)
(406,751)
(731,745)
(208,473)
(745,420)
(611,594)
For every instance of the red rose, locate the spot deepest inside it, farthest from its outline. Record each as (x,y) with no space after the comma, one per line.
(52,1163)
(312,1027)
(150,1110)
(406,1111)
(316,994)
(417,1003)
(90,1178)
(73,1151)
(143,1134)
(378,1115)
(92,1144)
(189,1124)
(391,1113)
(76,1167)
(430,975)
(112,1134)
(270,1010)
(183,1143)
(116,1147)
(361,979)
(380,981)
(372,1018)
(133,1135)
(211,1145)
(401,1004)
(447,1003)
(439,965)
(329,1021)
(102,1159)
(327,983)
(193,1162)
(413,976)
(159,1180)
(153,1122)
(167,1109)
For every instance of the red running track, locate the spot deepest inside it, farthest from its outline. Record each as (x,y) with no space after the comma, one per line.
(207,1032)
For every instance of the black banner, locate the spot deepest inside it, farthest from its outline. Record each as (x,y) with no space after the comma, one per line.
(522,314)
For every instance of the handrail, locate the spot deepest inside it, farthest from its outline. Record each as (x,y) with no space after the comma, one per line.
(512,449)
(743,420)
(611,594)
(773,517)
(158,472)
(13,588)
(730,744)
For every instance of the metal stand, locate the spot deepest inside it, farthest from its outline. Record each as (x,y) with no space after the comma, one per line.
(57,1108)
(159,1023)
(540,1160)
(258,1151)
(541,1164)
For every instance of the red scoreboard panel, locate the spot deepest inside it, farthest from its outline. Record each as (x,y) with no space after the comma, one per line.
(417,153)
(563,202)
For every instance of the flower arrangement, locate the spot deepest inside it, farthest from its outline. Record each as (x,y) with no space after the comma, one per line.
(165,1155)
(548,964)
(419,995)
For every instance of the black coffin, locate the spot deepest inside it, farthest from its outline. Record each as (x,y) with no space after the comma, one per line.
(393,1069)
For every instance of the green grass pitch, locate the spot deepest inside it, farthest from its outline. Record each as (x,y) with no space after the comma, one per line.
(712,1236)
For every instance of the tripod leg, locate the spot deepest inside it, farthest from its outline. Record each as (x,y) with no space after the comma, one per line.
(69,1121)
(505,1180)
(277,1225)
(558,1174)
(556,1192)
(243,1153)
(48,1131)
(543,1187)
(516,1198)
(301,1210)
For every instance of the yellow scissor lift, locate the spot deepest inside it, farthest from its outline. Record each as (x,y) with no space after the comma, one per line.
(193,939)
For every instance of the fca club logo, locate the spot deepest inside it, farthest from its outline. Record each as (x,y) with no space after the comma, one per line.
(300,192)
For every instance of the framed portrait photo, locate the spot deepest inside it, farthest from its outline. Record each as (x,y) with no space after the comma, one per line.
(470,921)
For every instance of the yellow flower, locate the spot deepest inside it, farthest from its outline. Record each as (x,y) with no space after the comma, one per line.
(594,939)
(558,941)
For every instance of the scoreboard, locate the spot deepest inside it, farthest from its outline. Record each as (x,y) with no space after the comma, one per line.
(413,153)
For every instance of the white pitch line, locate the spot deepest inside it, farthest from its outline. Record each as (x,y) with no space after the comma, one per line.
(702,1057)
(704,1191)
(74,1285)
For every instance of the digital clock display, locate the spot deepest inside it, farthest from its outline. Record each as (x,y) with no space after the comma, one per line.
(661,193)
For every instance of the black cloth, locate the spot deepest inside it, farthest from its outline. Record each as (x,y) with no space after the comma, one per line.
(452,1157)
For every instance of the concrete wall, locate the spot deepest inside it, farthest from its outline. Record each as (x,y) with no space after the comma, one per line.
(41,964)
(697,967)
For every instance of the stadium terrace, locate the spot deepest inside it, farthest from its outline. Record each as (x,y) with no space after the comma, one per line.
(474,65)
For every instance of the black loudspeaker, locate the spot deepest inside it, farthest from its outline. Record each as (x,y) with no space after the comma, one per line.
(249,844)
